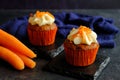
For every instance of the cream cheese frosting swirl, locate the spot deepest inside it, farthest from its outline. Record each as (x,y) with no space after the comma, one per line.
(41,18)
(82,35)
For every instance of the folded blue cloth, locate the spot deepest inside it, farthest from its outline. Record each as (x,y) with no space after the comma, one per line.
(17,27)
(104,28)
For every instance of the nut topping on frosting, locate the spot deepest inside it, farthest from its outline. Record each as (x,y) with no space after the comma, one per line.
(41,18)
(82,35)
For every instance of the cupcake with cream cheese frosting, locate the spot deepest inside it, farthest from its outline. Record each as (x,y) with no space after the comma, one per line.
(41,28)
(81,46)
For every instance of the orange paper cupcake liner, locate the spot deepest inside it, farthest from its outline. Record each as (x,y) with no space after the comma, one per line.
(80,57)
(42,38)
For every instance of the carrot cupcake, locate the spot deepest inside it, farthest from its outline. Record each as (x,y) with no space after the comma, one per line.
(41,28)
(81,46)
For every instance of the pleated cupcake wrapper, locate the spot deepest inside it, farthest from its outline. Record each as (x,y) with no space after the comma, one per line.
(42,38)
(80,57)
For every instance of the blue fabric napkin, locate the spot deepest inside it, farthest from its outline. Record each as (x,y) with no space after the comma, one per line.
(17,27)
(104,28)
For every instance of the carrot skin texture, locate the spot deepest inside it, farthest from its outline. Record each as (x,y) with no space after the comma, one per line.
(9,41)
(11,58)
(27,61)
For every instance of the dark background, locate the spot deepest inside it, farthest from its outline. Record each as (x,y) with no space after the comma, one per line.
(59,4)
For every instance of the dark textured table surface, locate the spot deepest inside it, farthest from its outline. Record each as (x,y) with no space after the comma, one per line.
(111,72)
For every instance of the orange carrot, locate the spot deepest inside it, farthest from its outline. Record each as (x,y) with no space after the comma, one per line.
(9,41)
(27,61)
(11,58)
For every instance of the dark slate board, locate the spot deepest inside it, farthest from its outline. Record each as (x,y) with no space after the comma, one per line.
(50,51)
(60,66)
